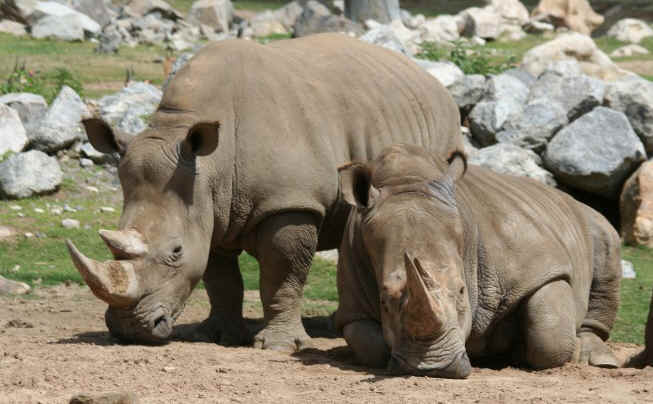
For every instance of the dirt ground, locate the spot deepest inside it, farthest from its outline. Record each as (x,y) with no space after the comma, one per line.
(56,345)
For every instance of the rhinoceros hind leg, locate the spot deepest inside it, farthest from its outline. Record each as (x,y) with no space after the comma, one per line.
(285,244)
(365,338)
(595,352)
(224,285)
(550,326)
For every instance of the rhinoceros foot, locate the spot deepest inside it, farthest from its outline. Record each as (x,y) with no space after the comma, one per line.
(595,352)
(285,339)
(211,330)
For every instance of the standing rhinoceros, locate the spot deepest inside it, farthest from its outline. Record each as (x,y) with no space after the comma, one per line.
(435,268)
(242,154)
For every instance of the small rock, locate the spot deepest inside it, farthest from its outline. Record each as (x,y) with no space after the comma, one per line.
(18,324)
(68,208)
(110,398)
(630,30)
(9,287)
(85,163)
(56,211)
(70,223)
(91,188)
(29,235)
(627,270)
(169,369)
(15,207)
(447,72)
(107,209)
(629,50)
(6,232)
(39,210)
(15,269)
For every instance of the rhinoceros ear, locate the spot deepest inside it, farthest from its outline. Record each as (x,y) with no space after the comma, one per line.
(356,185)
(202,138)
(103,138)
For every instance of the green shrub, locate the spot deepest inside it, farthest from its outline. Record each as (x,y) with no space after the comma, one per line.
(22,80)
(468,59)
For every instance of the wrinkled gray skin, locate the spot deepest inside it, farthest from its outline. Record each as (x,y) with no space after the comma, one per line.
(242,154)
(438,265)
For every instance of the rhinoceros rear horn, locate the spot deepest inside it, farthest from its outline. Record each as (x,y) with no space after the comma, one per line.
(423,314)
(115,282)
(124,244)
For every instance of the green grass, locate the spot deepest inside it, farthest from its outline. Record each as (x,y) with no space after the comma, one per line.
(635,297)
(259,5)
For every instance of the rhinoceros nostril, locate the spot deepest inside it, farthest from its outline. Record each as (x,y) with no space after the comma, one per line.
(159,320)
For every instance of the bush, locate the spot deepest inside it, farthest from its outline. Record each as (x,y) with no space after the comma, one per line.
(22,80)
(468,59)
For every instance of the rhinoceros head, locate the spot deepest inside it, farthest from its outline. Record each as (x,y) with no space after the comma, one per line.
(161,249)
(412,235)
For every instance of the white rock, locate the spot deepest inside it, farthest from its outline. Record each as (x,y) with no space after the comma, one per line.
(630,30)
(627,270)
(447,72)
(70,223)
(84,162)
(107,209)
(629,50)
(30,173)
(53,9)
(12,133)
(9,287)
(12,27)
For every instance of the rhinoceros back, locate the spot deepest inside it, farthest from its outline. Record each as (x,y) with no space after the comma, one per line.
(303,107)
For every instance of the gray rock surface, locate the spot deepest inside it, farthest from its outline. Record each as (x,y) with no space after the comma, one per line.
(217,14)
(595,153)
(509,159)
(447,72)
(504,98)
(125,109)
(383,11)
(522,75)
(12,27)
(66,28)
(577,94)
(87,150)
(536,124)
(31,173)
(45,9)
(384,36)
(61,124)
(12,133)
(30,107)
(443,28)
(481,22)
(634,97)
(97,10)
(141,8)
(316,18)
(468,90)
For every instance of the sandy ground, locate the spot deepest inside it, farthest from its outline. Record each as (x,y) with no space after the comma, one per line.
(56,345)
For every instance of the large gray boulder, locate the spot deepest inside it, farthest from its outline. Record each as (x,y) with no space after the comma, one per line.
(12,133)
(443,28)
(48,9)
(536,124)
(32,173)
(316,18)
(216,14)
(505,97)
(96,9)
(126,109)
(467,91)
(595,153)
(634,97)
(577,94)
(30,107)
(383,11)
(481,22)
(141,8)
(66,28)
(60,126)
(505,158)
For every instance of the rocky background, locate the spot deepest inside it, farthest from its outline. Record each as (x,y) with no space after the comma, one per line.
(565,114)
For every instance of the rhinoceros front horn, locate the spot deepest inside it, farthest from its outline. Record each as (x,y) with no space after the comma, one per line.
(115,282)
(423,317)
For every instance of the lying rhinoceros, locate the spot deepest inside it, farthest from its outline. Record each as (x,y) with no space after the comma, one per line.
(435,268)
(242,154)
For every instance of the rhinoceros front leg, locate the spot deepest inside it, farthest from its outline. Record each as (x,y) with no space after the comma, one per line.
(365,338)
(550,326)
(224,285)
(285,244)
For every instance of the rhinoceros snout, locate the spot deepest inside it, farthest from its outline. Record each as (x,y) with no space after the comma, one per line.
(459,368)
(153,329)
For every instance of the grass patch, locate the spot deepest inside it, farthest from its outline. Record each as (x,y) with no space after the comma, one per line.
(259,5)
(635,297)
(470,59)
(98,74)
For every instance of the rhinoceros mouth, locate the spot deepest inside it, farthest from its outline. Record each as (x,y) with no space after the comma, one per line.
(458,368)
